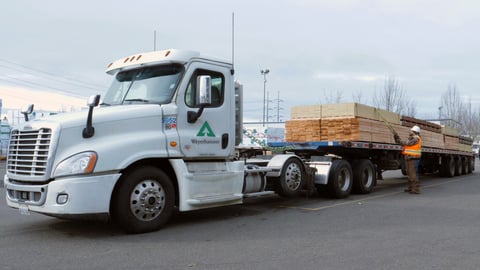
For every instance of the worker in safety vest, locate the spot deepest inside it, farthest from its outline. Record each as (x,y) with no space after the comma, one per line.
(412,150)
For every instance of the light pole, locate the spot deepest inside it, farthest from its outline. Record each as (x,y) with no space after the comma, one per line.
(264,72)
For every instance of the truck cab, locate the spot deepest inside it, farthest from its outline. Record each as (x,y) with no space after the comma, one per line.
(163,137)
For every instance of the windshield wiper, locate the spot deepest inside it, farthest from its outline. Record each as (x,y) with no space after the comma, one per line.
(137,100)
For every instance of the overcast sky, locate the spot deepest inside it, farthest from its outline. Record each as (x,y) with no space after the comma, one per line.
(313,48)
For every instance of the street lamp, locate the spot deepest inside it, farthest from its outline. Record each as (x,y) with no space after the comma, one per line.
(264,72)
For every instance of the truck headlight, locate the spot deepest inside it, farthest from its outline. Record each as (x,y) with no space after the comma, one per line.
(82,163)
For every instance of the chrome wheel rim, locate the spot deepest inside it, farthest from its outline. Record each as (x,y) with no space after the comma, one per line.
(293,176)
(147,200)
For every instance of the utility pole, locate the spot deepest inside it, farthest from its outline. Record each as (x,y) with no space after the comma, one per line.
(278,106)
(264,72)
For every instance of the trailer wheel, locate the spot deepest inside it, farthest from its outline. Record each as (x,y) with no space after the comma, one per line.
(292,178)
(448,167)
(471,164)
(403,168)
(340,179)
(458,166)
(465,165)
(364,176)
(143,201)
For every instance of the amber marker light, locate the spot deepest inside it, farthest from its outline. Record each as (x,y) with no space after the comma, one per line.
(173,144)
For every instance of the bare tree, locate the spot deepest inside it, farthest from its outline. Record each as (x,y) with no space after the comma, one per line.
(357,97)
(393,98)
(470,120)
(332,97)
(451,107)
(410,108)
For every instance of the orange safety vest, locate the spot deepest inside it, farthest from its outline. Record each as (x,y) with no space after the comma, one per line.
(415,150)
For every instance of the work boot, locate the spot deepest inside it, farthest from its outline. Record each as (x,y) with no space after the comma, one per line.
(415,189)
(409,187)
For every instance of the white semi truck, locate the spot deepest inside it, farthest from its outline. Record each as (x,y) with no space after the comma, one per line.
(166,137)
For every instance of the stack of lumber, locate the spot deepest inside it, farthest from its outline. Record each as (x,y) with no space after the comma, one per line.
(424,125)
(358,122)
(303,130)
(465,143)
(451,142)
(341,122)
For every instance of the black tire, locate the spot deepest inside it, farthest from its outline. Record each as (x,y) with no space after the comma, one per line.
(465,166)
(292,179)
(143,201)
(458,167)
(364,176)
(471,165)
(448,167)
(403,168)
(340,179)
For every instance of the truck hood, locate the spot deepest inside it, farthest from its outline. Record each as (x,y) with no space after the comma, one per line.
(100,115)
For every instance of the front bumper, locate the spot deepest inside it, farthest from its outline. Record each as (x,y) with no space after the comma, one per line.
(70,196)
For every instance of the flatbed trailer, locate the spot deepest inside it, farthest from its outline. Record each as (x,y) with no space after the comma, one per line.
(368,160)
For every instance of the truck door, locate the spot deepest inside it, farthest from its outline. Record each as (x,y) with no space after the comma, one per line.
(212,134)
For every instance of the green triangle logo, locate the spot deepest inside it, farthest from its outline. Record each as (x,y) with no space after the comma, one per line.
(205,130)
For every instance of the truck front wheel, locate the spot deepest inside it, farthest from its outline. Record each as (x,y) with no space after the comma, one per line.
(144,200)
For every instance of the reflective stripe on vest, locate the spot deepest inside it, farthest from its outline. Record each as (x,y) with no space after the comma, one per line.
(413,150)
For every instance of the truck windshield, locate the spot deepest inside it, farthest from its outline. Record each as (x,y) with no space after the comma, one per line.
(144,85)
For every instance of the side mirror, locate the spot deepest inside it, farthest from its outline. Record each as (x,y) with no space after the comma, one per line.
(26,111)
(93,101)
(89,130)
(203,95)
(204,90)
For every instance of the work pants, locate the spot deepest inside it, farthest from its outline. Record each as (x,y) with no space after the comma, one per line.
(412,173)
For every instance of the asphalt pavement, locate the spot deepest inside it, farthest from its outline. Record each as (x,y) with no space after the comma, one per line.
(387,229)
(2,171)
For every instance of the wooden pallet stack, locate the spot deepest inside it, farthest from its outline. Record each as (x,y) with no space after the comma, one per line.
(357,122)
(341,122)
(303,130)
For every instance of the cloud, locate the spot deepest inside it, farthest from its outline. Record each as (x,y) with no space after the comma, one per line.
(17,98)
(348,76)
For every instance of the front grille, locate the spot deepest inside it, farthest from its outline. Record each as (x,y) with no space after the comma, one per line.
(28,152)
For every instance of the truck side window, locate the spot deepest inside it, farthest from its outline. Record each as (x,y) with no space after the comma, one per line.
(218,86)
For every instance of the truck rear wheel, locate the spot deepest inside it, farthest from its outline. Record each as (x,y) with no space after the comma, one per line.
(340,179)
(144,200)
(292,178)
(364,176)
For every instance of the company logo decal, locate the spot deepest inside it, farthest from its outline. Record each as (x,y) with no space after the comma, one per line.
(205,130)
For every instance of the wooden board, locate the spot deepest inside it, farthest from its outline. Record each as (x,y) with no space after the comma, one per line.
(451,142)
(343,110)
(424,125)
(302,130)
(450,131)
(306,112)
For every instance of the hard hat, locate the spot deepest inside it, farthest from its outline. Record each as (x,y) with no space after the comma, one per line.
(416,129)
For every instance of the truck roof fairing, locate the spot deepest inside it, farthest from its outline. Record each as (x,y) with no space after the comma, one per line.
(151,58)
